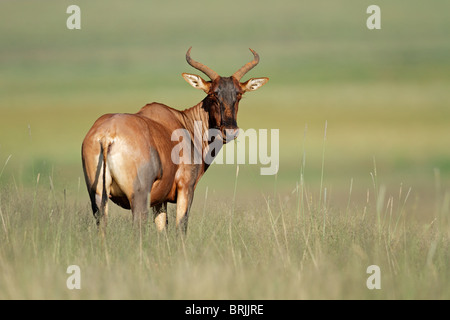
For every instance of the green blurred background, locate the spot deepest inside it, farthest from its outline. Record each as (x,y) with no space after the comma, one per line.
(384,94)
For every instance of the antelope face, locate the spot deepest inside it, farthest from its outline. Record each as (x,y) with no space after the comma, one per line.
(223,95)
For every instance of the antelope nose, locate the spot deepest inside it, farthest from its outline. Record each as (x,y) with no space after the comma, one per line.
(231,134)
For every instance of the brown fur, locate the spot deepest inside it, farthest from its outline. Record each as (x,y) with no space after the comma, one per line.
(127,157)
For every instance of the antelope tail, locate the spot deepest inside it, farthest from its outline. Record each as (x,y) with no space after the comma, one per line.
(104,148)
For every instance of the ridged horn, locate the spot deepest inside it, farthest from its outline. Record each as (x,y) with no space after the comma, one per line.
(247,67)
(199,66)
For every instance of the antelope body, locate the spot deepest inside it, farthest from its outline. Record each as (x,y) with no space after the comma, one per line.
(127,157)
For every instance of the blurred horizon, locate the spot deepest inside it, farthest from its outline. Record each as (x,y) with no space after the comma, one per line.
(383,93)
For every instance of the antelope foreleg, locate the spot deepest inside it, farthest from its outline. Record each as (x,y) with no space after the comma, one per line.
(184,200)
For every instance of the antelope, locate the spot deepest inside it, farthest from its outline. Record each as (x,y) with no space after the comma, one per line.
(127,157)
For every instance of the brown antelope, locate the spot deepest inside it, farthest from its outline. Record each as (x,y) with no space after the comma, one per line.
(127,157)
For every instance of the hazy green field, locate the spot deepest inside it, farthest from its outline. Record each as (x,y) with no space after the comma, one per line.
(381,197)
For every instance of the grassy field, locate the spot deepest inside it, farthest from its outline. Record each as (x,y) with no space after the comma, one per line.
(269,249)
(374,191)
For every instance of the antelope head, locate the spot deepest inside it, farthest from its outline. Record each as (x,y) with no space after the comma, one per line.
(223,94)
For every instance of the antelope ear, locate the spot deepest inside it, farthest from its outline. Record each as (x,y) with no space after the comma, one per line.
(254,84)
(197,82)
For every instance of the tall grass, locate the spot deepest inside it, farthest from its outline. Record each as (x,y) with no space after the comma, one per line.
(234,249)
(385,94)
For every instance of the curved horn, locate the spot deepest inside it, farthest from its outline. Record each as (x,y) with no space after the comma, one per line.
(247,67)
(197,65)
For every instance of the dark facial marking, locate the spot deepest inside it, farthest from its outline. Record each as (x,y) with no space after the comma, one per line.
(227,94)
